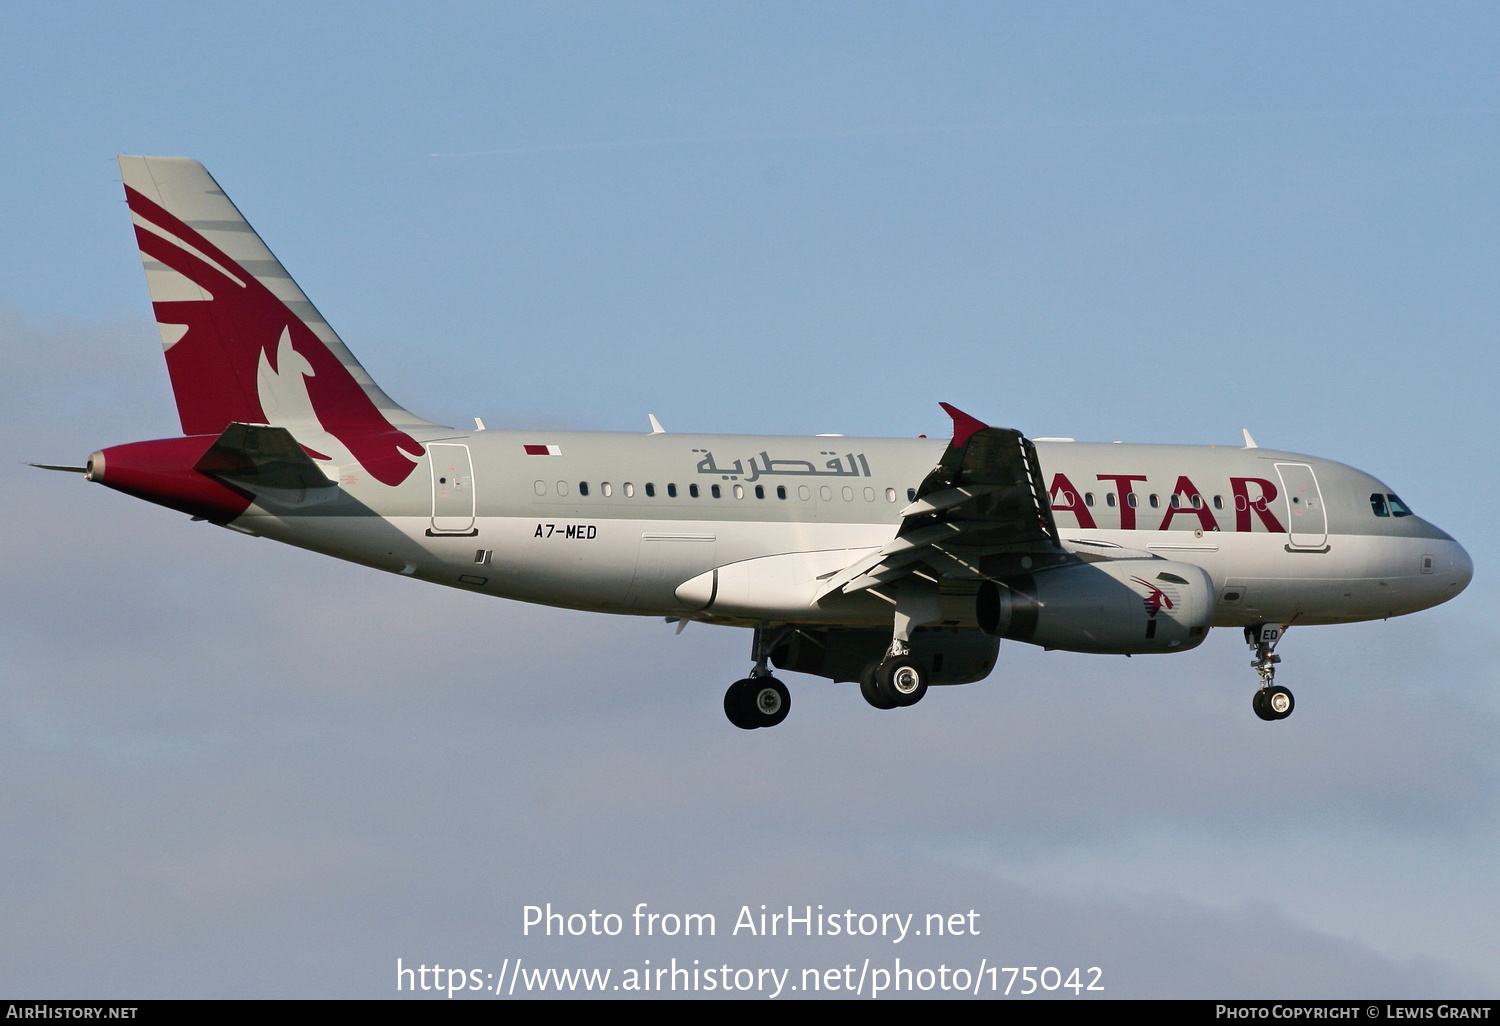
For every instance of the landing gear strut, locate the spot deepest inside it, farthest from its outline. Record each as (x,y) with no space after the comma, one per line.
(760,700)
(1272,701)
(900,679)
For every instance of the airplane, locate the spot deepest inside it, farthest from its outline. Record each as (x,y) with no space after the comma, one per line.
(897,563)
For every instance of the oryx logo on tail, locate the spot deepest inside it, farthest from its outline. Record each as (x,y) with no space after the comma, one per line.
(243,344)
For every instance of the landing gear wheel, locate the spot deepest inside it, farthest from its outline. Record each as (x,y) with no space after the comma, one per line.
(737,705)
(1279,702)
(757,702)
(870,691)
(901,680)
(770,701)
(1273,703)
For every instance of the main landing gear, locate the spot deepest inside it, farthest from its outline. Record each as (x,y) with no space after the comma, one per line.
(900,679)
(757,702)
(894,682)
(1272,701)
(897,680)
(760,700)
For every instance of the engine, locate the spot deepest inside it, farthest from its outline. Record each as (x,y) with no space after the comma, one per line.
(1123,606)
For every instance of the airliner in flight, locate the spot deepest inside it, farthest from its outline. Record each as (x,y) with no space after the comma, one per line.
(895,563)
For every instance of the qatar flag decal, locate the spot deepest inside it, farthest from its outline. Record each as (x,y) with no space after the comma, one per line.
(543,450)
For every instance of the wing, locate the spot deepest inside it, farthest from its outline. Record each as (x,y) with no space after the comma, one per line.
(982,512)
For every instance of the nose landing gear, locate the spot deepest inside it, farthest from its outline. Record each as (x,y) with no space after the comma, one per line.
(1272,701)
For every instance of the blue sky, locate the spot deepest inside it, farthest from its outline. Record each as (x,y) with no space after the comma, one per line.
(235,770)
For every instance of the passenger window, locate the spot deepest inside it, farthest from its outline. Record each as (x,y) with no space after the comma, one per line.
(1130,500)
(781,491)
(1218,502)
(1109,500)
(825,493)
(541,487)
(848,494)
(1377,504)
(869,495)
(739,491)
(714,490)
(671,491)
(1155,502)
(1398,508)
(562,488)
(760,491)
(1175,502)
(606,490)
(1088,498)
(804,493)
(911,495)
(583,487)
(650,490)
(629,490)
(693,491)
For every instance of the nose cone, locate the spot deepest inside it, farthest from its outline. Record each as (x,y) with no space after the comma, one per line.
(1460,568)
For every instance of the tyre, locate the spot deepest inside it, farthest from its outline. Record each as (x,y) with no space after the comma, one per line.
(737,705)
(901,680)
(871,691)
(1279,702)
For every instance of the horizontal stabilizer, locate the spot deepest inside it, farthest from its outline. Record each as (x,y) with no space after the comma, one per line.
(266,461)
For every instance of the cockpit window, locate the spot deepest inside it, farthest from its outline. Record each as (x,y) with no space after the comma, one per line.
(1388,505)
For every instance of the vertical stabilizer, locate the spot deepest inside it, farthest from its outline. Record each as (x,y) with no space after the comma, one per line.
(243,344)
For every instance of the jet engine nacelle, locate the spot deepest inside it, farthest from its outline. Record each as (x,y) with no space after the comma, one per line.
(1122,606)
(951,656)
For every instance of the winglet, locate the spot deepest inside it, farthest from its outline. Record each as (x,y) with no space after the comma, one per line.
(1249,442)
(965,427)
